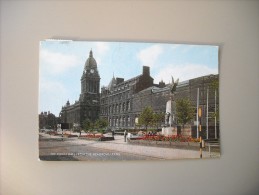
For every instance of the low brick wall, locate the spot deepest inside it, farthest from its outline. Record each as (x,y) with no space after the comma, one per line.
(98,139)
(166,144)
(68,135)
(90,139)
(106,138)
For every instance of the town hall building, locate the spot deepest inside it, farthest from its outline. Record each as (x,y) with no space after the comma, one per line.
(88,105)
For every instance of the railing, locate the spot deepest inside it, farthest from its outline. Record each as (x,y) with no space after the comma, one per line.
(212,143)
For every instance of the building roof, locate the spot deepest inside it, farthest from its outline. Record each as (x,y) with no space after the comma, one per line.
(155,89)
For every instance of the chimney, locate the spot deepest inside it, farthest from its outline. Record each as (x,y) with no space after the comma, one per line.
(119,80)
(146,70)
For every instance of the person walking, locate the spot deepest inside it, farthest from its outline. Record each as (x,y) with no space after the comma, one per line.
(112,133)
(125,135)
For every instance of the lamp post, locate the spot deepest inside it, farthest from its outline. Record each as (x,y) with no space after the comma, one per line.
(197,117)
(200,114)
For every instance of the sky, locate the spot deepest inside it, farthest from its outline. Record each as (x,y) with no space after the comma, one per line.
(62,64)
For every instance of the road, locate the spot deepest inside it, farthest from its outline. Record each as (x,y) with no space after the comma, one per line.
(52,149)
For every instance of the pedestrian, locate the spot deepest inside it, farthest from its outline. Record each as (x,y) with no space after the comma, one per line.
(125,135)
(112,133)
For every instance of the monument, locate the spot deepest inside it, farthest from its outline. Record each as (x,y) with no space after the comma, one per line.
(170,127)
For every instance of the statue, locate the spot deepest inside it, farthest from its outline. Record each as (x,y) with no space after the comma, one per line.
(173,85)
(170,124)
(167,117)
(170,105)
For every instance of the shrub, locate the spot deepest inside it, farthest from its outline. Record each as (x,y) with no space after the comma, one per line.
(172,138)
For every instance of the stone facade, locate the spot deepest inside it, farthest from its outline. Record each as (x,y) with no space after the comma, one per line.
(117,99)
(123,101)
(189,89)
(153,96)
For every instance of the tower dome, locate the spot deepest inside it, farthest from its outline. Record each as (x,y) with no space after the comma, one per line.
(90,62)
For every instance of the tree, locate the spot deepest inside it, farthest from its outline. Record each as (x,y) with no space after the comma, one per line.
(92,127)
(51,121)
(101,124)
(184,111)
(87,126)
(146,117)
(157,119)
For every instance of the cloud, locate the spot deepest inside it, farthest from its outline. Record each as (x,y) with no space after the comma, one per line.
(101,47)
(149,55)
(56,62)
(183,72)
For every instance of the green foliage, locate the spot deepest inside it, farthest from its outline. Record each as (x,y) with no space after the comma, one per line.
(87,125)
(149,118)
(184,110)
(158,118)
(146,117)
(51,122)
(101,124)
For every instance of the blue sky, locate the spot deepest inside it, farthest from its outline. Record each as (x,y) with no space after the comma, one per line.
(62,64)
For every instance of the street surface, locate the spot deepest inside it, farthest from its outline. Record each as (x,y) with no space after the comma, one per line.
(52,148)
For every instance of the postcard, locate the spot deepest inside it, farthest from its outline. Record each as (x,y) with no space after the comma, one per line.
(124,101)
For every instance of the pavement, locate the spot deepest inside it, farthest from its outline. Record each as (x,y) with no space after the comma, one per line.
(149,151)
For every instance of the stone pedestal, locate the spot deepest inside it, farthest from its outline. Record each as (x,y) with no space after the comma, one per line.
(169,131)
(170,113)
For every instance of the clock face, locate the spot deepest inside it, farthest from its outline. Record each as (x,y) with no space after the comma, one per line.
(92,70)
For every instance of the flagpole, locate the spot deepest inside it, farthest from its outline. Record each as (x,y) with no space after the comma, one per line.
(197,117)
(207,120)
(216,114)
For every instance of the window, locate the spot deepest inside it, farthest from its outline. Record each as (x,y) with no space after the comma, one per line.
(128,121)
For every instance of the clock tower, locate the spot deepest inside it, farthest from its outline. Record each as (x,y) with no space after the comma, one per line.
(90,90)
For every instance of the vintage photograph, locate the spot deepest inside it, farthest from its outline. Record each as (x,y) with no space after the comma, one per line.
(117,101)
